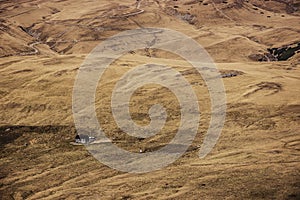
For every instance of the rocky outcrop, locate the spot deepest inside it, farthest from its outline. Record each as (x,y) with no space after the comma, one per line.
(278,54)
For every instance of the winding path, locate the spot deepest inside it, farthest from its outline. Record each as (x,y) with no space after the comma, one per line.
(221,12)
(35,50)
(138,5)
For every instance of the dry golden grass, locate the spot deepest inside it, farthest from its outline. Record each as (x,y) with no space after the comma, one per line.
(257,155)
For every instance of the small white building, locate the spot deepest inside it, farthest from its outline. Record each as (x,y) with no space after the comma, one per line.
(84,139)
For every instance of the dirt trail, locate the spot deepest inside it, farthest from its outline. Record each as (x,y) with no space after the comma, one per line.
(139,11)
(35,50)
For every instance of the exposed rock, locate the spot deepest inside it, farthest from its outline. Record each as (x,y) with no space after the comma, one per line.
(277,54)
(230,73)
(284,53)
